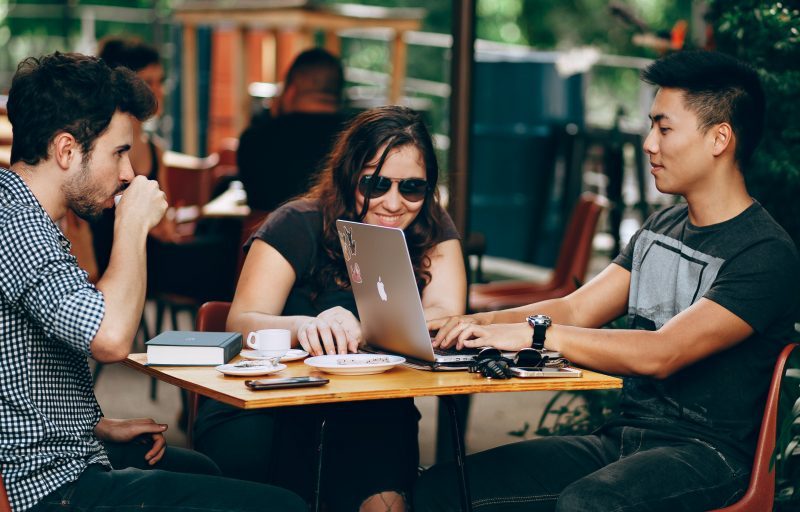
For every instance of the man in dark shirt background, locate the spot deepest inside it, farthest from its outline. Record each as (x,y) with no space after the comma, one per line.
(280,153)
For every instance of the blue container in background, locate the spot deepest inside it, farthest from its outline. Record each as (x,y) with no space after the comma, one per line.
(521,105)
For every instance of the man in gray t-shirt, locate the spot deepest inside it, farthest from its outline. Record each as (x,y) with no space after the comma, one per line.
(709,290)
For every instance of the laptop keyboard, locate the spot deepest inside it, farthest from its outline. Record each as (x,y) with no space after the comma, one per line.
(454,352)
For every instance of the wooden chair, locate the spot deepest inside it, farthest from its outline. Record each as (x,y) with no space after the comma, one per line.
(249,226)
(571,266)
(210,317)
(760,493)
(5,506)
(189,178)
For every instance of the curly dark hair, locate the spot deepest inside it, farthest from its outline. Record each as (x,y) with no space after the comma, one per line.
(390,127)
(73,93)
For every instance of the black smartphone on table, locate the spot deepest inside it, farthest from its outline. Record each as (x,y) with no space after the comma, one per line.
(289,382)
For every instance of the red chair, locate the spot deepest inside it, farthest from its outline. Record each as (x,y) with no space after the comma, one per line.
(211,316)
(5,506)
(571,266)
(760,493)
(189,178)
(249,226)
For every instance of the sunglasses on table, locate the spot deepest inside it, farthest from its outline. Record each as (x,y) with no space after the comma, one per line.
(490,362)
(413,189)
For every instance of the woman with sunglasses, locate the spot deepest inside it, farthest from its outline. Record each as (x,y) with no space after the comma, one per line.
(382,171)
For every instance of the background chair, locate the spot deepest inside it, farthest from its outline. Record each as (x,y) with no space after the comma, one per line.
(570,270)
(189,178)
(210,317)
(5,506)
(760,493)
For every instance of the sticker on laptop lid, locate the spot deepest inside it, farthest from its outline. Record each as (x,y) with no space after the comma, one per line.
(355,273)
(348,244)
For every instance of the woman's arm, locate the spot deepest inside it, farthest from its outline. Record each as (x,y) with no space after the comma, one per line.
(446,294)
(265,283)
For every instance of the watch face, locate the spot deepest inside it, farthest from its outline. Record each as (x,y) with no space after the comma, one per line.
(540,320)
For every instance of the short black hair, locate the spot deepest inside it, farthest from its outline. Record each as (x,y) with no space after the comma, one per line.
(317,71)
(73,93)
(719,89)
(131,53)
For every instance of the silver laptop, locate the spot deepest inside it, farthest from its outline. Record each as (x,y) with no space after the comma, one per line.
(386,294)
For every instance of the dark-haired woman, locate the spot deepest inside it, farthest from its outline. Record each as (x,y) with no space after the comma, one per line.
(382,171)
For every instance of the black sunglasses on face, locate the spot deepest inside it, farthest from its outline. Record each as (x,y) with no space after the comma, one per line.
(413,189)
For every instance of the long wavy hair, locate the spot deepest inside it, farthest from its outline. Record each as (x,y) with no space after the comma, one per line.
(387,128)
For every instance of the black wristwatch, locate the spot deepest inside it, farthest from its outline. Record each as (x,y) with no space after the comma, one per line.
(539,323)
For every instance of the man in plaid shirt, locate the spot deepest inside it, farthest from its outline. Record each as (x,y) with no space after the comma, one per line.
(72,119)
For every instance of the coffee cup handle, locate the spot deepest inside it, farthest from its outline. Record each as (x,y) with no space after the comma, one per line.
(250,342)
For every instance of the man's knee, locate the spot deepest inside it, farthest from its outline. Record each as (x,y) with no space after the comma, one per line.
(589,495)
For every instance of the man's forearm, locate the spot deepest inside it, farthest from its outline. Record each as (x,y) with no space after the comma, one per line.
(123,285)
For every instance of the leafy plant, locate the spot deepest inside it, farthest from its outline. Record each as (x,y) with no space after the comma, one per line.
(767,35)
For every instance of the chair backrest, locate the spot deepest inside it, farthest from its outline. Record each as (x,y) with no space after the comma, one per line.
(5,506)
(189,178)
(212,316)
(576,247)
(249,225)
(760,493)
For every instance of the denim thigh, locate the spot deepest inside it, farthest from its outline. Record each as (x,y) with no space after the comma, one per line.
(528,475)
(657,472)
(100,490)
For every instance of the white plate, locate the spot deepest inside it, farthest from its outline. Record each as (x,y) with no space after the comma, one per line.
(292,355)
(355,364)
(232,369)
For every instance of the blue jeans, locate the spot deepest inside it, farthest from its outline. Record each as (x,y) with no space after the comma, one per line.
(183,481)
(617,469)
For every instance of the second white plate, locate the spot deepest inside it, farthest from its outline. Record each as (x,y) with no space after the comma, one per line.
(237,371)
(355,364)
(292,355)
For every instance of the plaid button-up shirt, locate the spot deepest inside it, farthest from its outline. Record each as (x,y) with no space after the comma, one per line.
(49,314)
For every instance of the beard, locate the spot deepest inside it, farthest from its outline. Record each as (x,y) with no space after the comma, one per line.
(84,197)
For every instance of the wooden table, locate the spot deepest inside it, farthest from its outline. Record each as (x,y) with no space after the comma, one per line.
(399,382)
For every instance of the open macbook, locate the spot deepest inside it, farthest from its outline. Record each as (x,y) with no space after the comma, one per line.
(388,300)
(387,297)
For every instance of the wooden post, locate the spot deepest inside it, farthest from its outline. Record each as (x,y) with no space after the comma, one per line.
(241,107)
(189,89)
(333,43)
(399,58)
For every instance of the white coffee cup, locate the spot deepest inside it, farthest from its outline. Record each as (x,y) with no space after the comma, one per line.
(270,342)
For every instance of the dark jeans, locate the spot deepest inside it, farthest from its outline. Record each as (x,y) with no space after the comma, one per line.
(183,481)
(370,447)
(619,469)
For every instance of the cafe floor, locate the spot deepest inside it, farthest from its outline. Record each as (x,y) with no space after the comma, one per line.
(125,393)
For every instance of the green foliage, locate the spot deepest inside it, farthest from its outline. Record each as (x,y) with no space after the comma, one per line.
(767,35)
(570,23)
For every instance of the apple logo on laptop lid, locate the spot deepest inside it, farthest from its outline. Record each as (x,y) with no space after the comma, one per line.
(382,290)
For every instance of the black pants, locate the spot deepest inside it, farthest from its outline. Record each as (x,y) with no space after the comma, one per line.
(620,469)
(183,481)
(370,447)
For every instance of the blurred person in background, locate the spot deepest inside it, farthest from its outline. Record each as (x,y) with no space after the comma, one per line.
(282,150)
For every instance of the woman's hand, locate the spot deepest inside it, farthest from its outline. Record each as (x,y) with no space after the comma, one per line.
(449,328)
(141,429)
(334,331)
